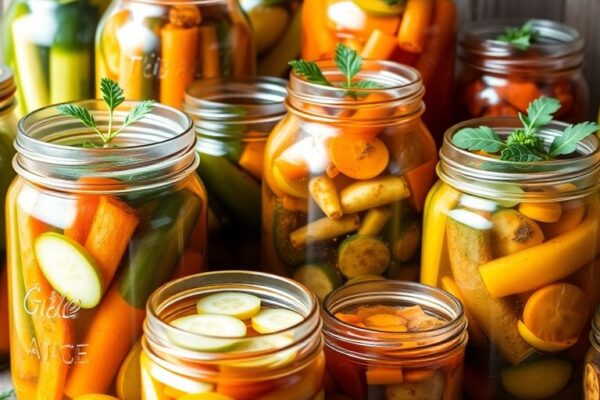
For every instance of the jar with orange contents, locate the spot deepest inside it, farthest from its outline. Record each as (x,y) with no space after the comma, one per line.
(394,340)
(232,335)
(498,78)
(420,33)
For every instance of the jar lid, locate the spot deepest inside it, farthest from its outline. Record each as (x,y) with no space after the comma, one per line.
(557,47)
(7,86)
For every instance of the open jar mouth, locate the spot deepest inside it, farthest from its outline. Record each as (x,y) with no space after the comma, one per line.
(369,344)
(400,86)
(558,47)
(178,298)
(153,152)
(495,179)
(226,108)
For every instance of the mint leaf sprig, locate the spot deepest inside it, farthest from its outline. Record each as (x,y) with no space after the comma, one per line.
(521,37)
(523,144)
(348,62)
(113,96)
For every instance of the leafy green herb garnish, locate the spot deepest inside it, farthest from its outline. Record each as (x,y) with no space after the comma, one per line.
(7,395)
(348,62)
(521,37)
(523,144)
(113,96)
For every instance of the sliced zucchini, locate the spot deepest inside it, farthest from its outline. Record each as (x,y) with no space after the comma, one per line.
(262,344)
(234,304)
(381,8)
(69,269)
(271,320)
(365,278)
(221,326)
(363,255)
(321,279)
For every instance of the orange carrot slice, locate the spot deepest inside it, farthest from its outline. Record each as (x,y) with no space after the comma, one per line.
(357,156)
(519,94)
(414,26)
(384,376)
(380,45)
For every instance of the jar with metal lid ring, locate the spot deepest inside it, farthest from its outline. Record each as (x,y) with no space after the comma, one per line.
(345,179)
(233,118)
(8,130)
(92,231)
(155,48)
(518,243)
(287,363)
(498,78)
(369,357)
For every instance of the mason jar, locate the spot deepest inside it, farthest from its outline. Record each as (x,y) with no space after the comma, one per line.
(345,179)
(419,33)
(50,47)
(277,28)
(8,130)
(518,244)
(92,232)
(233,118)
(394,340)
(154,49)
(498,79)
(282,364)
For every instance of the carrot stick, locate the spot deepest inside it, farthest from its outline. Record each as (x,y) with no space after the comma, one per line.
(244,63)
(414,25)
(4,342)
(324,41)
(252,158)
(115,328)
(178,62)
(53,334)
(419,182)
(439,39)
(209,50)
(111,230)
(380,45)
(519,94)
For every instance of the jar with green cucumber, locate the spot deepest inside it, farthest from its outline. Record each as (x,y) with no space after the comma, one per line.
(8,130)
(50,47)
(513,230)
(106,208)
(277,26)
(346,174)
(232,335)
(233,118)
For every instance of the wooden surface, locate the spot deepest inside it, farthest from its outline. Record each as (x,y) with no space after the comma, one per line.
(583,15)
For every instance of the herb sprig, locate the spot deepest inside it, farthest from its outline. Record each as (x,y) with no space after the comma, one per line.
(7,395)
(523,144)
(521,37)
(348,62)
(113,96)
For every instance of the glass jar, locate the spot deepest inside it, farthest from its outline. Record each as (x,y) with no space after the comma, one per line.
(591,371)
(383,363)
(498,79)
(419,33)
(518,244)
(284,364)
(154,49)
(277,28)
(50,47)
(233,118)
(125,219)
(345,178)
(8,129)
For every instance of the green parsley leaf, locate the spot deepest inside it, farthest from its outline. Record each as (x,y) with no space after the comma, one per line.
(80,113)
(539,113)
(520,153)
(111,93)
(348,62)
(478,139)
(311,71)
(573,134)
(7,395)
(521,37)
(520,136)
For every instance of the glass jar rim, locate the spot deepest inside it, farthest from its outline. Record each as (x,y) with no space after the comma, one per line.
(7,88)
(247,100)
(419,344)
(157,329)
(562,47)
(493,178)
(50,153)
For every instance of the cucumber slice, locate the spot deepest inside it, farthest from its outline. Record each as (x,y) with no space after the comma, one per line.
(470,219)
(210,325)
(380,8)
(364,278)
(271,320)
(233,304)
(320,279)
(363,255)
(263,344)
(477,203)
(179,382)
(69,269)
